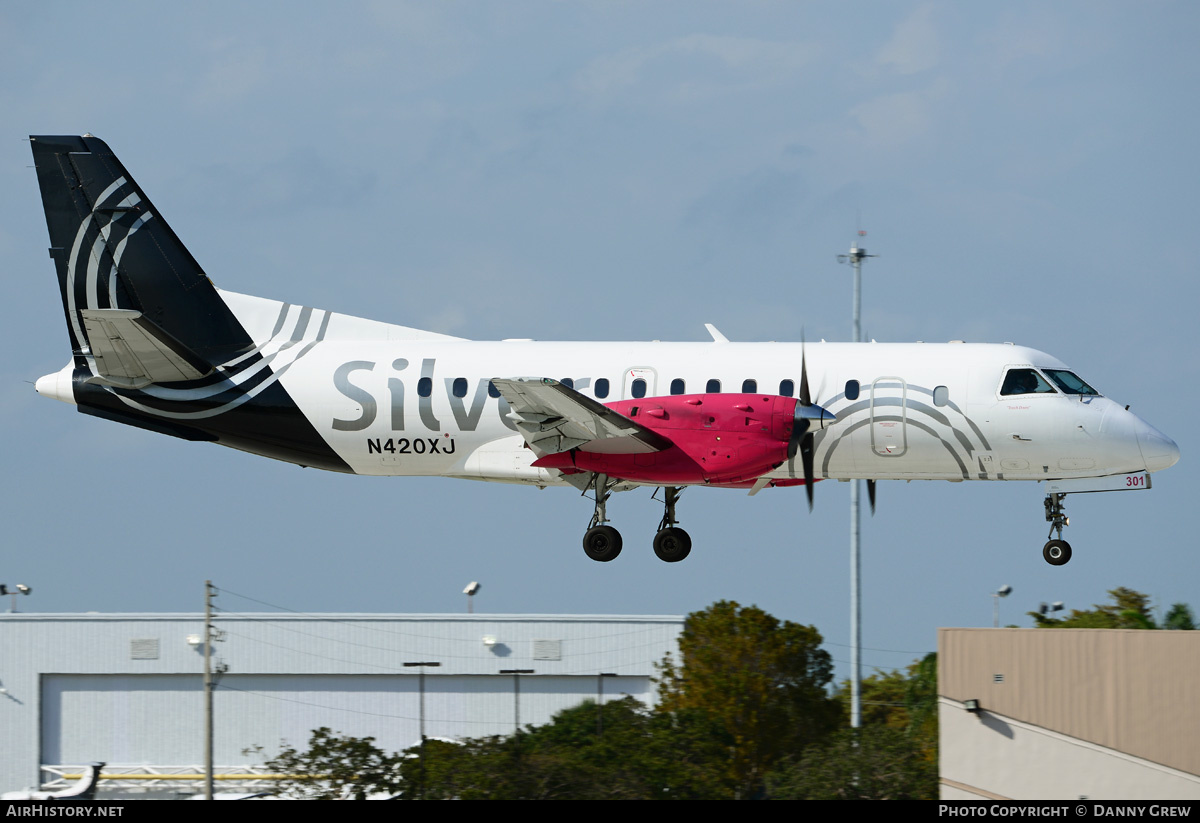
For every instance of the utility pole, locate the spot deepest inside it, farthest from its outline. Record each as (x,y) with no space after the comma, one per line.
(211,635)
(208,690)
(855,259)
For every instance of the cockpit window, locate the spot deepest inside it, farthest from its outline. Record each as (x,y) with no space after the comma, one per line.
(1024,381)
(1070,383)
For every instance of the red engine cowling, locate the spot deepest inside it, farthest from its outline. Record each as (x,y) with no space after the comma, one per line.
(718,439)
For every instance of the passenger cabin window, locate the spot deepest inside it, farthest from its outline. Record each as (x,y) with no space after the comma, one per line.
(749,386)
(851,389)
(568,382)
(786,388)
(492,390)
(602,387)
(1024,381)
(712,387)
(941,395)
(460,387)
(678,386)
(638,388)
(425,386)
(1069,383)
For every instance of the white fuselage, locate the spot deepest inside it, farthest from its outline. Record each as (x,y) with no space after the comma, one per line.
(396,401)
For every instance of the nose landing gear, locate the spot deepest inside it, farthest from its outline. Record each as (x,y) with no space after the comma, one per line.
(1056,552)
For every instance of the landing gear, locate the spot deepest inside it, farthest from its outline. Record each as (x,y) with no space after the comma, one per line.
(1057,552)
(601,543)
(672,543)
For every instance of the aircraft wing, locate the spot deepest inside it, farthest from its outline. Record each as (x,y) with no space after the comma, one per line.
(554,418)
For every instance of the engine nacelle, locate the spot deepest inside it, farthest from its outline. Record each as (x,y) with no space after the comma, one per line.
(719,439)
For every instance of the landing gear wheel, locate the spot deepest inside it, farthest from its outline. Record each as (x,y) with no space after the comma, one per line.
(672,545)
(602,543)
(1057,552)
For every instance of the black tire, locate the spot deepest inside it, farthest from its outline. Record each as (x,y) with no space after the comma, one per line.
(672,545)
(602,543)
(1057,552)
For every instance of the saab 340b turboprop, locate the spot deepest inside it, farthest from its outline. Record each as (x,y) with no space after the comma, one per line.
(158,346)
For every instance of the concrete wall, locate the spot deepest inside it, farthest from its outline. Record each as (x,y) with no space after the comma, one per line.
(1069,713)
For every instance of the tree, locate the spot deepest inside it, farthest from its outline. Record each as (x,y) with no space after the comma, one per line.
(1129,610)
(884,699)
(760,684)
(905,701)
(335,765)
(1180,617)
(641,754)
(871,763)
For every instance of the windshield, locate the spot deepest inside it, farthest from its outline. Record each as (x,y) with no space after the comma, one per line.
(1024,381)
(1069,382)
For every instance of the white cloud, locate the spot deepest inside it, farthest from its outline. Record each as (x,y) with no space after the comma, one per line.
(914,45)
(898,118)
(711,63)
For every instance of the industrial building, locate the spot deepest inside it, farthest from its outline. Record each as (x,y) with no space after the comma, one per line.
(127,689)
(1068,714)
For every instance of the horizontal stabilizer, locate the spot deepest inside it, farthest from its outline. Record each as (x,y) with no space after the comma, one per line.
(131,351)
(554,418)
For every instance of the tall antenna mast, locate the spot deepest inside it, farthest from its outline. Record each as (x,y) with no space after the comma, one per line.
(855,259)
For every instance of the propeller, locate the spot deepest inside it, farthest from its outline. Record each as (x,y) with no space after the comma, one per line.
(871,494)
(808,418)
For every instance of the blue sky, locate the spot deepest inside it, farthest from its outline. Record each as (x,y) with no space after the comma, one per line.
(1026,171)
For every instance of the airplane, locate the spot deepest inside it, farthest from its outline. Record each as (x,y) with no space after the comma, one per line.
(158,346)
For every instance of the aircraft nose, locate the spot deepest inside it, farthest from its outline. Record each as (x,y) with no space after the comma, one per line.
(1158,450)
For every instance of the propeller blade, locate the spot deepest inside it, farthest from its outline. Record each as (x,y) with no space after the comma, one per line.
(806,456)
(871,494)
(805,396)
(799,428)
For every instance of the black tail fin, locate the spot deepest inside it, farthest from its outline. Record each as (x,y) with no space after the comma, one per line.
(114,251)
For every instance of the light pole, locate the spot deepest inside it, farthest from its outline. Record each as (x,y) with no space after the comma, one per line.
(855,259)
(600,701)
(516,673)
(1003,591)
(1050,608)
(470,591)
(21,589)
(421,666)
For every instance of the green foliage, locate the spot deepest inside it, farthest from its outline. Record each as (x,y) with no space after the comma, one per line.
(872,763)
(884,699)
(761,685)
(902,701)
(334,765)
(1180,617)
(637,754)
(1129,610)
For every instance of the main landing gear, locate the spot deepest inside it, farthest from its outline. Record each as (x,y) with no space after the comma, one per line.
(672,543)
(1057,552)
(602,542)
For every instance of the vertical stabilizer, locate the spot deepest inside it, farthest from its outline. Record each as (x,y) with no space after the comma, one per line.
(113,251)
